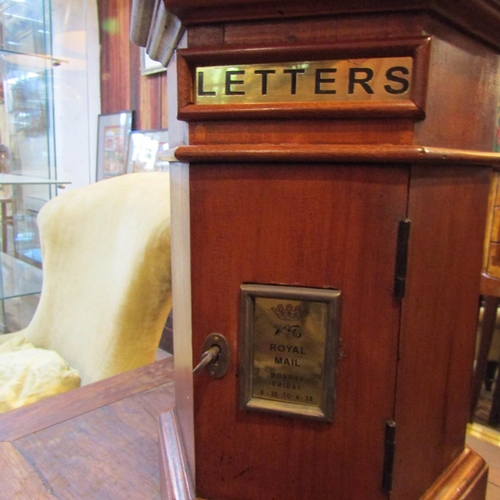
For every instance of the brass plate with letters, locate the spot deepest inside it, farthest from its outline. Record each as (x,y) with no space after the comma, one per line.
(373,79)
(288,350)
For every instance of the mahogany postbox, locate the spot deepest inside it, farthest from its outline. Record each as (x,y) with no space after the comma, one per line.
(337,163)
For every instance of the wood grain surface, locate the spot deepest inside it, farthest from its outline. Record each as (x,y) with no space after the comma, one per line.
(122,85)
(466,477)
(17,477)
(448,125)
(338,153)
(315,226)
(447,207)
(98,441)
(315,200)
(478,18)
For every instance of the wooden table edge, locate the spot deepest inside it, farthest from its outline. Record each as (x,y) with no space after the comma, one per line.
(54,410)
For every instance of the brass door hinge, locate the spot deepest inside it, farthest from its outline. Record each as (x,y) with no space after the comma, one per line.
(389,450)
(401,258)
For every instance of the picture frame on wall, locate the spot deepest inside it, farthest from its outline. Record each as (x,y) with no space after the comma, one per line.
(144,148)
(150,66)
(113,130)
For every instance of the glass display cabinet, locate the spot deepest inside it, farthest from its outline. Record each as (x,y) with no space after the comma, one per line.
(27,164)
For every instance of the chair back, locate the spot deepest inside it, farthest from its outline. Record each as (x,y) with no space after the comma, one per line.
(107,283)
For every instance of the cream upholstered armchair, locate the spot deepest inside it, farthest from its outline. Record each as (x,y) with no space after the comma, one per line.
(106,292)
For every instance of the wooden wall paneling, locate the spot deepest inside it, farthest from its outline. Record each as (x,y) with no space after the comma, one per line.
(447,208)
(153,107)
(122,85)
(163,102)
(114,22)
(310,225)
(135,97)
(148,94)
(145,91)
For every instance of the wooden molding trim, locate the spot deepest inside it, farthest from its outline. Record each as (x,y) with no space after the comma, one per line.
(489,285)
(34,417)
(303,110)
(464,479)
(189,59)
(238,54)
(329,153)
(176,482)
(481,18)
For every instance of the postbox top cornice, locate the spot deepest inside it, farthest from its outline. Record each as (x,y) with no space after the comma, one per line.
(480,18)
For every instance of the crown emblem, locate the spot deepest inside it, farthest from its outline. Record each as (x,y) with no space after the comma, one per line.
(288,312)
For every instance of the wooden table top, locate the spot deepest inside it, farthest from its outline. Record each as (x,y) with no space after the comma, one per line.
(96,442)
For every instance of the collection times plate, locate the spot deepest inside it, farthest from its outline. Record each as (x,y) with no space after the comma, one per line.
(289,350)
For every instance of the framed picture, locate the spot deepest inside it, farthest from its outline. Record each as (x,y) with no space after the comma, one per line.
(143,151)
(113,130)
(162,35)
(148,65)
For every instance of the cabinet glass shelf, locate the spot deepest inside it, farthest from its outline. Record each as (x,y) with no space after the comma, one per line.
(27,150)
(18,278)
(20,273)
(25,26)
(14,179)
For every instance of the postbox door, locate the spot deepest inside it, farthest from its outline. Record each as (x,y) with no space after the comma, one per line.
(303,225)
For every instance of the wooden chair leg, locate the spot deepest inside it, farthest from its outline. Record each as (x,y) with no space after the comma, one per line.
(487,329)
(494,417)
(491,370)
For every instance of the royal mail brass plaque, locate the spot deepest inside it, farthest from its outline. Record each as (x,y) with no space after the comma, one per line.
(288,350)
(374,79)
